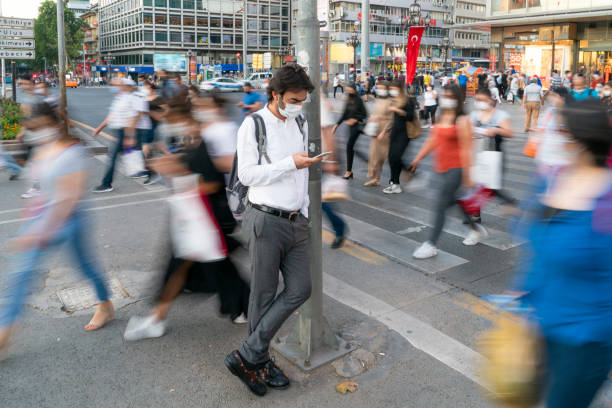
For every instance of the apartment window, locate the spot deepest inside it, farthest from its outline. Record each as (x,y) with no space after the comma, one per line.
(285,26)
(285,11)
(189,37)
(188,4)
(274,25)
(215,38)
(264,25)
(238,39)
(147,18)
(148,59)
(252,39)
(175,36)
(251,8)
(263,40)
(227,39)
(203,39)
(215,22)
(175,4)
(175,19)
(148,3)
(284,41)
(252,24)
(238,23)
(264,10)
(161,36)
(275,41)
(275,10)
(161,3)
(201,5)
(160,18)
(189,21)
(202,21)
(228,23)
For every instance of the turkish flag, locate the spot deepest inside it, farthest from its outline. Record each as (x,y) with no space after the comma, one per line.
(412,51)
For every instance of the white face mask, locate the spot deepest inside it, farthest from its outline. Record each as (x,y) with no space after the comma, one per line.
(394,92)
(177,130)
(482,105)
(115,90)
(205,115)
(41,136)
(382,92)
(290,111)
(607,93)
(429,89)
(447,103)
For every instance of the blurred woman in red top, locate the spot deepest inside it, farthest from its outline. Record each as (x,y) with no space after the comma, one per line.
(451,139)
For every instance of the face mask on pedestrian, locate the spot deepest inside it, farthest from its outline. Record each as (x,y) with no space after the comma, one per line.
(394,93)
(448,103)
(115,90)
(289,110)
(382,92)
(42,136)
(429,89)
(205,115)
(599,89)
(482,105)
(177,130)
(607,92)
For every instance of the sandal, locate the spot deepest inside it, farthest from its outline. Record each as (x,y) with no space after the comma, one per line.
(94,325)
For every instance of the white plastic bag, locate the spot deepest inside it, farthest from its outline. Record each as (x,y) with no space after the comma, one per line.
(194,231)
(371,129)
(487,169)
(133,162)
(334,188)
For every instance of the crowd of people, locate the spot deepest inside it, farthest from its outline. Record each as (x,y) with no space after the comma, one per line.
(186,138)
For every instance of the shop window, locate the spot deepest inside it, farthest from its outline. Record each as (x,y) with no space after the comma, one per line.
(215,22)
(175,36)
(215,38)
(160,18)
(175,4)
(175,19)
(227,39)
(161,3)
(189,21)
(228,23)
(188,4)
(161,36)
(202,21)
(147,18)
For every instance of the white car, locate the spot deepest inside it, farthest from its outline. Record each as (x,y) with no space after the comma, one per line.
(257,79)
(222,84)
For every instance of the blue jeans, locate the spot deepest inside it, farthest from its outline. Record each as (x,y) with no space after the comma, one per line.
(8,161)
(338,223)
(18,279)
(118,148)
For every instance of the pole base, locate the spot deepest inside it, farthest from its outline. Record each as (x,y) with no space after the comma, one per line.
(321,356)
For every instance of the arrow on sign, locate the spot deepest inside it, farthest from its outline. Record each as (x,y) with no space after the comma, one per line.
(19,44)
(17,54)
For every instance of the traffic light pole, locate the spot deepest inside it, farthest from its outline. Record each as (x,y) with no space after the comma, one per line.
(61,54)
(365,38)
(311,342)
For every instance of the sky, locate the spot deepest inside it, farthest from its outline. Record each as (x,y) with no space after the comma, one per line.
(20,8)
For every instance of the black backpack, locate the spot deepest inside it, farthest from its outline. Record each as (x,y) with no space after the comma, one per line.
(237,193)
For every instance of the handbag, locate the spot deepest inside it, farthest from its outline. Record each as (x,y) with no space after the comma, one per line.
(133,161)
(194,231)
(475,199)
(371,129)
(487,169)
(531,147)
(334,188)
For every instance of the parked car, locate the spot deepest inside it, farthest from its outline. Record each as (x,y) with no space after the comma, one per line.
(72,83)
(256,79)
(222,84)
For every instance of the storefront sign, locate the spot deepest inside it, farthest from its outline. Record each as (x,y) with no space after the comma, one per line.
(340,53)
(376,50)
(493,62)
(193,68)
(516,59)
(170,62)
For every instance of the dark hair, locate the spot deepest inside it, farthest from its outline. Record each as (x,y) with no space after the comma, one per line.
(398,83)
(289,77)
(555,71)
(484,91)
(194,89)
(247,83)
(383,83)
(180,104)
(561,91)
(588,124)
(458,96)
(57,116)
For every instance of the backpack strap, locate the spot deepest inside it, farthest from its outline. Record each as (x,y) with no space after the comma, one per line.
(261,137)
(300,122)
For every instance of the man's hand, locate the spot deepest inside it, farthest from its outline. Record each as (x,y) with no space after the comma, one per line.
(240,105)
(302,160)
(97,131)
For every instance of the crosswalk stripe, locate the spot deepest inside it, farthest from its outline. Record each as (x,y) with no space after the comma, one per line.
(496,239)
(399,248)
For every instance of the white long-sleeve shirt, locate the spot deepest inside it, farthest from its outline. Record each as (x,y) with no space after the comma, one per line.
(278,184)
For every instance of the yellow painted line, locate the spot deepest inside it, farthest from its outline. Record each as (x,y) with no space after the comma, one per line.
(482,308)
(103,134)
(356,251)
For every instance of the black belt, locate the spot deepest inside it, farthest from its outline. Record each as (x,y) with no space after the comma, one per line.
(290,215)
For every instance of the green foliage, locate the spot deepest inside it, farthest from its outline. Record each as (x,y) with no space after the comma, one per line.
(45,34)
(10,119)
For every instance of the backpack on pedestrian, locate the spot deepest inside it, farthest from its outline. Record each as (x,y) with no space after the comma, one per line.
(238,193)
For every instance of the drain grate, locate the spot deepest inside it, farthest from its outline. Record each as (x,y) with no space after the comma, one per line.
(84,297)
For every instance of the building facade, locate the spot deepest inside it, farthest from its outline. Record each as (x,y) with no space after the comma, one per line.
(78,7)
(91,41)
(536,36)
(388,38)
(146,34)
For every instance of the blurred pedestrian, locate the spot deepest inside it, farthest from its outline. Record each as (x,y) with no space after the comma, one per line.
(379,140)
(337,84)
(251,101)
(58,216)
(451,138)
(568,279)
(122,118)
(580,92)
(532,102)
(606,95)
(403,107)
(430,102)
(353,117)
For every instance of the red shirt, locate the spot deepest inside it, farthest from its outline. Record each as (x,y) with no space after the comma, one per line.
(447,149)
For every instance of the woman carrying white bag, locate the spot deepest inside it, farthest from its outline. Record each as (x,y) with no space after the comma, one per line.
(491,125)
(200,224)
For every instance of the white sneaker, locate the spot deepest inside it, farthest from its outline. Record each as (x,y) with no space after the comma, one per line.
(474,237)
(426,250)
(31,193)
(393,189)
(240,319)
(139,328)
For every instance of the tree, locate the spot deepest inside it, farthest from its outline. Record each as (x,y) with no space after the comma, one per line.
(45,34)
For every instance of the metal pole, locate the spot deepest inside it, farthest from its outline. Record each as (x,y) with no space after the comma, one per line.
(311,342)
(244,39)
(3,79)
(552,59)
(14,69)
(61,53)
(365,38)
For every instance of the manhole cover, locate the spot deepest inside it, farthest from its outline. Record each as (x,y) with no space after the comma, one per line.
(84,297)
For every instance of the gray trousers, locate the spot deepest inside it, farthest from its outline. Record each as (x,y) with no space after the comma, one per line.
(274,244)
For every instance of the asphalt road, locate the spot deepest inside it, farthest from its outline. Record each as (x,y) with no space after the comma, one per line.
(417,322)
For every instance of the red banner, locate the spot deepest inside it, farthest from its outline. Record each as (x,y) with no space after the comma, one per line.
(412,51)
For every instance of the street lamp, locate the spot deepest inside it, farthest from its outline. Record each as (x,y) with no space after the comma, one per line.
(414,18)
(189,55)
(353,41)
(445,44)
